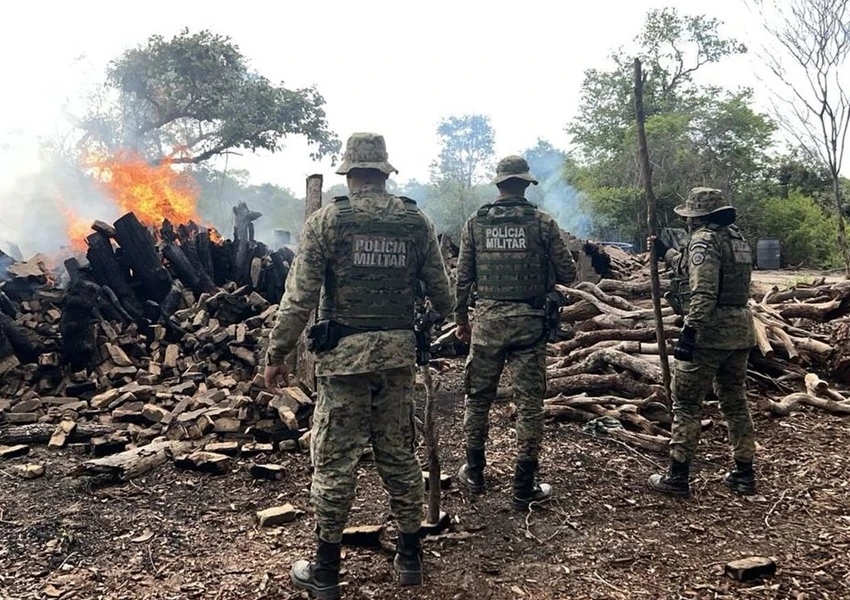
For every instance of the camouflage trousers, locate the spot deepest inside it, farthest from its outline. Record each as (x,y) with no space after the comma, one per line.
(727,371)
(351,411)
(516,341)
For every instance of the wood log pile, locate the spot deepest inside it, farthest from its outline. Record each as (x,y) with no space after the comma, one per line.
(157,335)
(608,365)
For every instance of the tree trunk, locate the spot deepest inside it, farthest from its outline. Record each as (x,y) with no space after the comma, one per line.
(839,216)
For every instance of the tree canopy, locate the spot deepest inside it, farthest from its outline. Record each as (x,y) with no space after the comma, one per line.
(697,135)
(193,97)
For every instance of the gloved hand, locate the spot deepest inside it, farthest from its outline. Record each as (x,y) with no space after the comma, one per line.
(684,349)
(657,247)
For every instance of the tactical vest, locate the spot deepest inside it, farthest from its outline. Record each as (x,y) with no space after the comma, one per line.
(371,283)
(511,260)
(736,268)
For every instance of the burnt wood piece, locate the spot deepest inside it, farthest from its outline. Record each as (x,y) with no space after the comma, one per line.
(243,236)
(203,252)
(6,305)
(6,349)
(172,300)
(138,246)
(72,266)
(185,270)
(77,323)
(274,278)
(108,272)
(28,345)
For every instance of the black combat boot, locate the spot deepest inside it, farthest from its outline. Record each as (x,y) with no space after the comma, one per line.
(675,482)
(472,473)
(526,489)
(742,479)
(320,578)
(408,559)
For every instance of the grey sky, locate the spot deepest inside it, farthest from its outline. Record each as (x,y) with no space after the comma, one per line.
(431,60)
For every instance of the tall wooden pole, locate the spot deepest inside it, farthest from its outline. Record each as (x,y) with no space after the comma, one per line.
(652,224)
(305,361)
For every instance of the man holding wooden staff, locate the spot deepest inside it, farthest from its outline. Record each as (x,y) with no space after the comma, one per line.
(364,255)
(513,254)
(714,270)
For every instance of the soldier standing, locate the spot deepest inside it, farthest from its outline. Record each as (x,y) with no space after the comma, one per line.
(715,343)
(513,254)
(360,259)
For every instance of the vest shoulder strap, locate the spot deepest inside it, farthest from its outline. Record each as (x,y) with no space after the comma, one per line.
(410,206)
(482,212)
(343,204)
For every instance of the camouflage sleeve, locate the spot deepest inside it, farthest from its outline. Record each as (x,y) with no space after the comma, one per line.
(704,279)
(465,274)
(559,255)
(433,273)
(303,286)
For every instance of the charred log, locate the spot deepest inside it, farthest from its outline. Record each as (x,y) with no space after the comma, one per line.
(108,272)
(138,247)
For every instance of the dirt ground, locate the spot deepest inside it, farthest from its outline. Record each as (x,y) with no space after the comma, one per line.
(175,534)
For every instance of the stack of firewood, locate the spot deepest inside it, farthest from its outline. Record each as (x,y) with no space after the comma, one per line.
(609,366)
(147,340)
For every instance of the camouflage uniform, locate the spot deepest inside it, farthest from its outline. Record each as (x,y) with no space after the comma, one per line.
(716,263)
(365,383)
(509,317)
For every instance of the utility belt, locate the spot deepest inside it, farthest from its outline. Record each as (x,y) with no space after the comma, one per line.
(325,335)
(550,303)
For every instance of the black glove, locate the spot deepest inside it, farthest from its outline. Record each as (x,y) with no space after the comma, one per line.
(684,349)
(659,248)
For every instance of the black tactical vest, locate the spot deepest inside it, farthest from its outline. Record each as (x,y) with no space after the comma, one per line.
(736,268)
(370,284)
(510,257)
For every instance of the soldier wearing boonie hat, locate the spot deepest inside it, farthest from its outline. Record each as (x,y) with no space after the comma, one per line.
(713,348)
(512,254)
(360,260)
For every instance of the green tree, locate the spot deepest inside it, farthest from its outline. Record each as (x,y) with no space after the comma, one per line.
(804,230)
(194,97)
(697,135)
(812,45)
(464,163)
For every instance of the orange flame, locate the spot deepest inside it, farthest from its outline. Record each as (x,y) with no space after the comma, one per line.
(76,227)
(153,192)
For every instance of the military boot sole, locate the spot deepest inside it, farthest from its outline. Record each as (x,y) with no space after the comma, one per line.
(301,576)
(469,484)
(543,494)
(407,575)
(742,488)
(659,484)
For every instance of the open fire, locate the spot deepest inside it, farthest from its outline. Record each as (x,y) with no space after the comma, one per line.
(153,192)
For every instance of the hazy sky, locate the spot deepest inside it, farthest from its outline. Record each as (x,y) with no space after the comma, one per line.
(380,67)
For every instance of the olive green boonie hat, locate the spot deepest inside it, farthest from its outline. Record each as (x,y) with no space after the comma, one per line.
(702,201)
(366,151)
(513,167)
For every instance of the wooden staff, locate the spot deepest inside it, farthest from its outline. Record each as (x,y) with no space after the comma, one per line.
(646,175)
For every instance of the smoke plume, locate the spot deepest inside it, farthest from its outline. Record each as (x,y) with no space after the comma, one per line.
(554,194)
